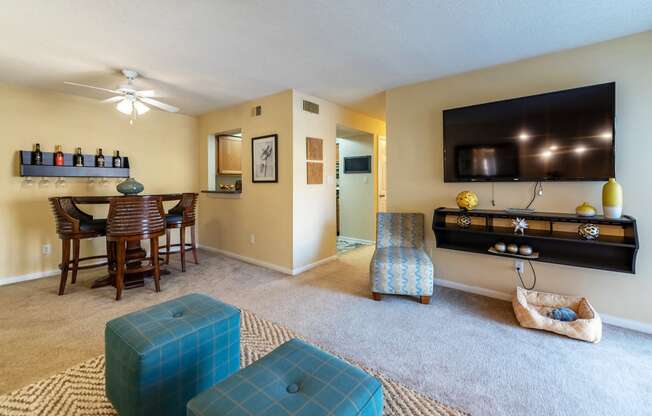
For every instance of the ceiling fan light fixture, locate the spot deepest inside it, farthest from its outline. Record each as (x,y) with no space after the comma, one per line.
(125,106)
(140,108)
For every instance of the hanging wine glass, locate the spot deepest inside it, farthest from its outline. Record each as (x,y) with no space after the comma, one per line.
(28,182)
(60,183)
(103,182)
(91,181)
(43,182)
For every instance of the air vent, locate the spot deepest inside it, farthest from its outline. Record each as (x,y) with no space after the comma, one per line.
(310,107)
(257,111)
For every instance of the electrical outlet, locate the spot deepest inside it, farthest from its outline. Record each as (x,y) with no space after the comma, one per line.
(46,249)
(519,265)
(252,239)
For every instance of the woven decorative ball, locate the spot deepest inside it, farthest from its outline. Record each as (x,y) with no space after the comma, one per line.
(463,221)
(467,200)
(588,231)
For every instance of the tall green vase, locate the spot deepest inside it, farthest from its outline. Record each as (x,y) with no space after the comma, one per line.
(612,199)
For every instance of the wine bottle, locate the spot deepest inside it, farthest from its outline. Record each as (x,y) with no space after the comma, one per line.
(58,156)
(117,161)
(37,156)
(99,159)
(78,158)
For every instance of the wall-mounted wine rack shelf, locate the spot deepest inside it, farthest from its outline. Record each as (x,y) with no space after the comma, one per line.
(48,169)
(608,252)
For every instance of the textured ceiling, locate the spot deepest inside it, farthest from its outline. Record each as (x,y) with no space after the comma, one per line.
(208,54)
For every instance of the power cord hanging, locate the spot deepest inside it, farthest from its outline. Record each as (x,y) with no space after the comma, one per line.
(534,273)
(537,191)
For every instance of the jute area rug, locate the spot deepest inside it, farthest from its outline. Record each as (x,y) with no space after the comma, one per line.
(80,389)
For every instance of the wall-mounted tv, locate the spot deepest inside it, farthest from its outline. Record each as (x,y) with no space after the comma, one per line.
(559,136)
(357,164)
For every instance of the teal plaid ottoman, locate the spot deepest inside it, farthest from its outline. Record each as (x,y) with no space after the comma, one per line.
(160,357)
(294,379)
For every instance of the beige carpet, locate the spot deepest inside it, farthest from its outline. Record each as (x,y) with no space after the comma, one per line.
(464,350)
(80,390)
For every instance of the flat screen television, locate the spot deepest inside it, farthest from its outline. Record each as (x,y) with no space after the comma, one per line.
(559,136)
(357,164)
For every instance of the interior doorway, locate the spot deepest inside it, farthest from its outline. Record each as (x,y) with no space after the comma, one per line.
(356,188)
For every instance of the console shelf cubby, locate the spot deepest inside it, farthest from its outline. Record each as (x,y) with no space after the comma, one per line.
(48,169)
(613,252)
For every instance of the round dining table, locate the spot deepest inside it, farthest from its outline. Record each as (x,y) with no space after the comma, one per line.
(135,252)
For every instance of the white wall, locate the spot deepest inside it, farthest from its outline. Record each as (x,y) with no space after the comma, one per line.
(357,214)
(415,167)
(313,210)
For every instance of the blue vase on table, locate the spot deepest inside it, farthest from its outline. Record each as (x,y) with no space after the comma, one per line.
(130,186)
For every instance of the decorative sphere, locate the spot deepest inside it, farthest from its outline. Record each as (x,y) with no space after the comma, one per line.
(463,221)
(525,250)
(512,248)
(588,231)
(467,200)
(130,186)
(500,246)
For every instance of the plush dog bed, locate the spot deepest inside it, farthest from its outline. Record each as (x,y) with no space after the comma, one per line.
(531,308)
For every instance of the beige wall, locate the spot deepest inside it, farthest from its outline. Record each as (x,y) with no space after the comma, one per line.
(357,194)
(263,209)
(314,222)
(161,147)
(415,168)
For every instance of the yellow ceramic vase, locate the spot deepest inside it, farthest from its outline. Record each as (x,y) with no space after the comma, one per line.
(612,199)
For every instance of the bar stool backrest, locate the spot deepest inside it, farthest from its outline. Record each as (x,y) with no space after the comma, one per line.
(138,217)
(67,216)
(186,207)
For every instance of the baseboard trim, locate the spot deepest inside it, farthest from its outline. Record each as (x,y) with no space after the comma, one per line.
(246,259)
(490,293)
(609,319)
(299,270)
(27,277)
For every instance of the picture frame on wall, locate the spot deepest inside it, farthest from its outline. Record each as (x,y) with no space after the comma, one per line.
(264,159)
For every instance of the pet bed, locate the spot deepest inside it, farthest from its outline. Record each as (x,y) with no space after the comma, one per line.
(531,308)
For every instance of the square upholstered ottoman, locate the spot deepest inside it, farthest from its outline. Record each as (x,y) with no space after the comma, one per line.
(160,357)
(294,379)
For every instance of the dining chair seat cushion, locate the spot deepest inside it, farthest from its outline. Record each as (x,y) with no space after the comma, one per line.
(174,218)
(295,379)
(94,226)
(160,357)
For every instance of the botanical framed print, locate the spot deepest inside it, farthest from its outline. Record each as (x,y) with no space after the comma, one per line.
(264,158)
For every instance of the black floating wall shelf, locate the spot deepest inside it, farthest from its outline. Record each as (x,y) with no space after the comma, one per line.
(47,169)
(609,252)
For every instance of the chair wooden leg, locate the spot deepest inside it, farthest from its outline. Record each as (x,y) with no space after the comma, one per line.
(155,261)
(182,248)
(375,296)
(75,260)
(119,269)
(424,299)
(65,262)
(167,246)
(194,243)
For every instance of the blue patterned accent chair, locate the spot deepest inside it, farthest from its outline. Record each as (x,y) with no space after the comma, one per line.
(295,379)
(400,265)
(158,358)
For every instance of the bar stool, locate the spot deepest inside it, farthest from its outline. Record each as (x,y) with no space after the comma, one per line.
(181,216)
(135,218)
(74,225)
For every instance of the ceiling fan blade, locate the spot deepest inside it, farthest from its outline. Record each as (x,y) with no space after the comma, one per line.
(146,93)
(90,86)
(162,106)
(114,99)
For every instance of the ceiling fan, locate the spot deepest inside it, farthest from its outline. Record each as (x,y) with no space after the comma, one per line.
(129,100)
